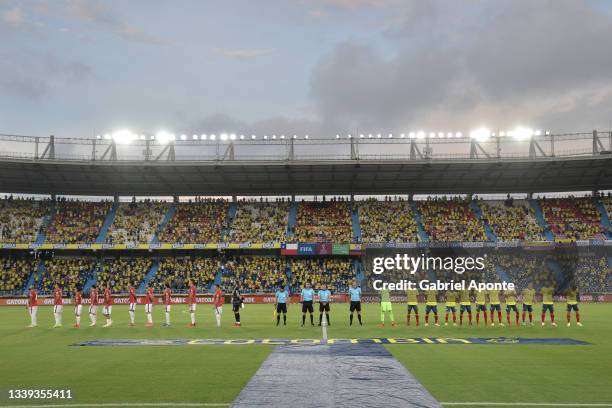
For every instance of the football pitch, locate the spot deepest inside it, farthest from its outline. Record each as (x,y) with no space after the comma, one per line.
(455,374)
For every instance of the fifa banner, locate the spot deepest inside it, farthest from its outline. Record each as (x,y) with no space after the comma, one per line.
(178,299)
(267,299)
(321,248)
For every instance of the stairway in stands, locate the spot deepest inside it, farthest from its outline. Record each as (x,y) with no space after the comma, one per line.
(501,272)
(108,221)
(167,217)
(541,221)
(356,225)
(148,277)
(94,278)
(605,217)
(478,212)
(42,233)
(40,268)
(231,215)
(419,221)
(292,218)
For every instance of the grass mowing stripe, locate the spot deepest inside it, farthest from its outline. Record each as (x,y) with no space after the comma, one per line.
(526,404)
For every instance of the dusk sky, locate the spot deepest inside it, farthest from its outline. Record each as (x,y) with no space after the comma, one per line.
(77,68)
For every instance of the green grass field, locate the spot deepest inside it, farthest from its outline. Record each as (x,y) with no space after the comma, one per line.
(41,357)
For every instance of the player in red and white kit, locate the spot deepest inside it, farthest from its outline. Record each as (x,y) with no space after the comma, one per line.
(132,304)
(33,306)
(108,307)
(78,306)
(167,303)
(149,300)
(191,301)
(58,305)
(218,301)
(93,305)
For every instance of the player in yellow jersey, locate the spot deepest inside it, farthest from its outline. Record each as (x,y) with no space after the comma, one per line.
(571,297)
(465,305)
(528,301)
(481,306)
(548,304)
(510,298)
(431,305)
(495,306)
(451,306)
(413,304)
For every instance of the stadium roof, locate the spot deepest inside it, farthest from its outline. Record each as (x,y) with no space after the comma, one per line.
(305,177)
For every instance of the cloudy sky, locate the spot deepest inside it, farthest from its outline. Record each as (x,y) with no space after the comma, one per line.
(77,68)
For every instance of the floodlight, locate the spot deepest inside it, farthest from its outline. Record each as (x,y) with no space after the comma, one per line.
(337,136)
(241,137)
(195,137)
(274,137)
(361,135)
(458,134)
(183,137)
(282,136)
(350,136)
(440,134)
(164,137)
(223,136)
(142,137)
(295,136)
(369,135)
(548,133)
(411,135)
(502,133)
(265,137)
(107,136)
(538,133)
(420,135)
(98,137)
(432,134)
(403,135)
(232,136)
(379,135)
(523,133)
(480,134)
(253,137)
(213,137)
(449,135)
(203,137)
(390,135)
(305,136)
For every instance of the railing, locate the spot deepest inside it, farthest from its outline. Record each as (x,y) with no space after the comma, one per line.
(402,147)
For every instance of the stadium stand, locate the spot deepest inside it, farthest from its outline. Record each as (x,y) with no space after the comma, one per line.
(196,222)
(387,221)
(450,220)
(572,218)
(14,274)
(69,273)
(21,219)
(336,273)
(259,221)
(120,273)
(177,271)
(323,221)
(136,223)
(512,220)
(257,274)
(77,221)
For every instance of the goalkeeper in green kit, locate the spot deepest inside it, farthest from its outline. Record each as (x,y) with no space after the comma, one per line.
(386,307)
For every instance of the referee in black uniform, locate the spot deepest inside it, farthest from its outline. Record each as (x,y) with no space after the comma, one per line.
(236,303)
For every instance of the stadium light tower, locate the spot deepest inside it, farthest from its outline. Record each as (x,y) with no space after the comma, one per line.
(480,134)
(123,136)
(523,133)
(164,137)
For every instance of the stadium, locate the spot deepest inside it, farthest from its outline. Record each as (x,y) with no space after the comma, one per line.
(79,230)
(318,204)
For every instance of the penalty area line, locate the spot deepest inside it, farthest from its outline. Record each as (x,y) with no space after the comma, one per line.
(525,404)
(124,404)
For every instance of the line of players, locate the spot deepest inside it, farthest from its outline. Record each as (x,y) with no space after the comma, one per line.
(149,301)
(307,295)
(493,298)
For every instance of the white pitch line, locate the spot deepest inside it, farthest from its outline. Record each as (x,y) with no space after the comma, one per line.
(526,404)
(125,404)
